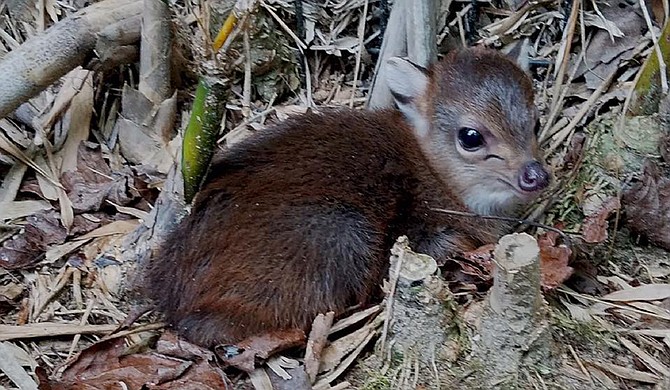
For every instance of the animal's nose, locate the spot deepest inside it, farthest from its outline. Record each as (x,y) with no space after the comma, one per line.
(533,177)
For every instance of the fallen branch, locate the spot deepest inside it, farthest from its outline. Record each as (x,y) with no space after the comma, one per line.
(46,57)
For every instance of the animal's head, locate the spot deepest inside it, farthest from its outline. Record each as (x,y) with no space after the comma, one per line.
(475,119)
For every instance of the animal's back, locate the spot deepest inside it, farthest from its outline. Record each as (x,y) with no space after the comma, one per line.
(293,222)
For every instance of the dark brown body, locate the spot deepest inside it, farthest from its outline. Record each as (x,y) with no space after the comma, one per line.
(275,237)
(299,219)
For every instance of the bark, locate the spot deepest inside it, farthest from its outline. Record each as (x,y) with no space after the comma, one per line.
(514,330)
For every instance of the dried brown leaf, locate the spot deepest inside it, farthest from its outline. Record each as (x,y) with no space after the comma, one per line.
(117,227)
(25,249)
(262,346)
(604,51)
(11,182)
(627,373)
(105,364)
(10,366)
(472,269)
(594,229)
(93,182)
(554,261)
(72,84)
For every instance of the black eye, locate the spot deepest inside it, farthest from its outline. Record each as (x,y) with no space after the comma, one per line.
(470,139)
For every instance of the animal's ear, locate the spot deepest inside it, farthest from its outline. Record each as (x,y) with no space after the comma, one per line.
(408,82)
(519,53)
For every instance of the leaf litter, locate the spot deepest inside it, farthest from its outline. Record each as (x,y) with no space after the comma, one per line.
(52,263)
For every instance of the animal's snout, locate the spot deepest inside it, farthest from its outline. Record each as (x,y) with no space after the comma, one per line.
(533,177)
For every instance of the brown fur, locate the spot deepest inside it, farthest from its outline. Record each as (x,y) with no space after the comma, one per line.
(299,219)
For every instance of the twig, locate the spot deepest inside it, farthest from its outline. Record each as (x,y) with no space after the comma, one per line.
(361,47)
(246,92)
(308,83)
(82,322)
(563,134)
(564,51)
(557,104)
(389,301)
(459,20)
(62,281)
(138,329)
(657,48)
(283,25)
(579,363)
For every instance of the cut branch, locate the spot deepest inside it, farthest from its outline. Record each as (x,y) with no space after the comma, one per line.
(46,57)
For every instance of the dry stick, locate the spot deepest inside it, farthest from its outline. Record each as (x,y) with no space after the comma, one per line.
(389,303)
(565,49)
(76,288)
(558,103)
(318,337)
(657,48)
(138,329)
(48,329)
(155,51)
(579,363)
(246,92)
(565,133)
(458,21)
(82,322)
(361,38)
(298,41)
(56,290)
(308,83)
(461,29)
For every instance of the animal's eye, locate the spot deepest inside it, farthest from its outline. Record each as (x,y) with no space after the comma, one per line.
(470,139)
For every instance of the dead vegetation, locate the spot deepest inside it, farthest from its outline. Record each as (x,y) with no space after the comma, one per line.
(87,177)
